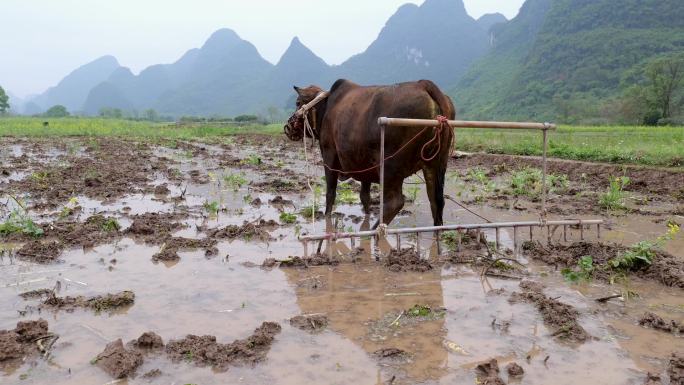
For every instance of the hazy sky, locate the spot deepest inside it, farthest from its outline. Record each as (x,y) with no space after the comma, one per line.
(43,40)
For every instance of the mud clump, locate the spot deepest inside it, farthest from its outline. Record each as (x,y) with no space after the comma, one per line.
(205,351)
(154,226)
(149,341)
(170,249)
(676,369)
(40,252)
(406,260)
(488,373)
(514,370)
(559,317)
(95,230)
(38,293)
(117,361)
(21,342)
(249,231)
(665,268)
(392,356)
(154,373)
(98,303)
(316,260)
(310,323)
(655,321)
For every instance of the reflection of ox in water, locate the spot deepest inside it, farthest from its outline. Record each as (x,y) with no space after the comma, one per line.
(362,302)
(346,124)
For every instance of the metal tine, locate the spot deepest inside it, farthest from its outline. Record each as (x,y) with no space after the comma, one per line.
(498,238)
(598,231)
(515,239)
(398,242)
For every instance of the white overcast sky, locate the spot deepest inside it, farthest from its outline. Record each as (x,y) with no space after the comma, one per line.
(43,40)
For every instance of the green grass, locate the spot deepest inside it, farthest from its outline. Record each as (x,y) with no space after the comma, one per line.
(22,126)
(658,146)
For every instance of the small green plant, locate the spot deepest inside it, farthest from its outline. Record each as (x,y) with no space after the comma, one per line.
(642,253)
(19,222)
(412,193)
(479,175)
(288,218)
(308,211)
(528,181)
(450,238)
(68,209)
(111,224)
(583,272)
(280,164)
(235,181)
(211,207)
(614,197)
(346,195)
(253,160)
(40,176)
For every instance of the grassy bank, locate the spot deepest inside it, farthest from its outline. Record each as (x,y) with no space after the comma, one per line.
(659,146)
(33,127)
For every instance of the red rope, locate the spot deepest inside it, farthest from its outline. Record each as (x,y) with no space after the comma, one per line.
(443,122)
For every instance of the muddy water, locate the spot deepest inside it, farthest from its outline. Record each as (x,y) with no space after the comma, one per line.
(226,297)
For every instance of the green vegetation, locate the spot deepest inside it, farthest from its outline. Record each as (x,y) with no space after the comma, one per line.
(4,101)
(642,253)
(111,224)
(528,181)
(288,218)
(72,126)
(614,197)
(450,238)
(346,195)
(235,181)
(211,207)
(20,222)
(583,272)
(658,146)
(253,160)
(57,111)
(571,61)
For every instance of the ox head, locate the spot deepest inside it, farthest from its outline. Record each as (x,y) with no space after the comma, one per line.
(294,128)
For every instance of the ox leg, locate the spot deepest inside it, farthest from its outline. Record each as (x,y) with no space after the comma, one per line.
(394,201)
(434,184)
(330,191)
(365,196)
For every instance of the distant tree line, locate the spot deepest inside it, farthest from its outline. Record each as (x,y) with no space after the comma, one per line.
(652,94)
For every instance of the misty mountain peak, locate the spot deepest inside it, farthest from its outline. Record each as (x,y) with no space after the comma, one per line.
(488,20)
(449,6)
(222,39)
(297,54)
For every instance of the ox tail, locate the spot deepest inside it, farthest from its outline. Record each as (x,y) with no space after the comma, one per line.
(446,108)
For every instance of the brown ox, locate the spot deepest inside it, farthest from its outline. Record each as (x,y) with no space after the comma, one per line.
(346,124)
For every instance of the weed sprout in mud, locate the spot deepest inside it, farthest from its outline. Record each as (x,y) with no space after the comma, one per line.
(642,253)
(288,218)
(235,181)
(614,197)
(346,195)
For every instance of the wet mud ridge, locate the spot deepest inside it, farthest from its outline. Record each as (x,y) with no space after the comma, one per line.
(560,318)
(654,321)
(665,268)
(61,234)
(310,323)
(97,303)
(26,339)
(121,361)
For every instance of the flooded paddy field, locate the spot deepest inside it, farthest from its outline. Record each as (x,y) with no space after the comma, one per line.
(188,252)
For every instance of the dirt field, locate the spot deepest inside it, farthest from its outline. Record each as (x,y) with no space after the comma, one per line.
(189,251)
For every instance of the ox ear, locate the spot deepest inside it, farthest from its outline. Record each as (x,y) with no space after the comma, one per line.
(297,90)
